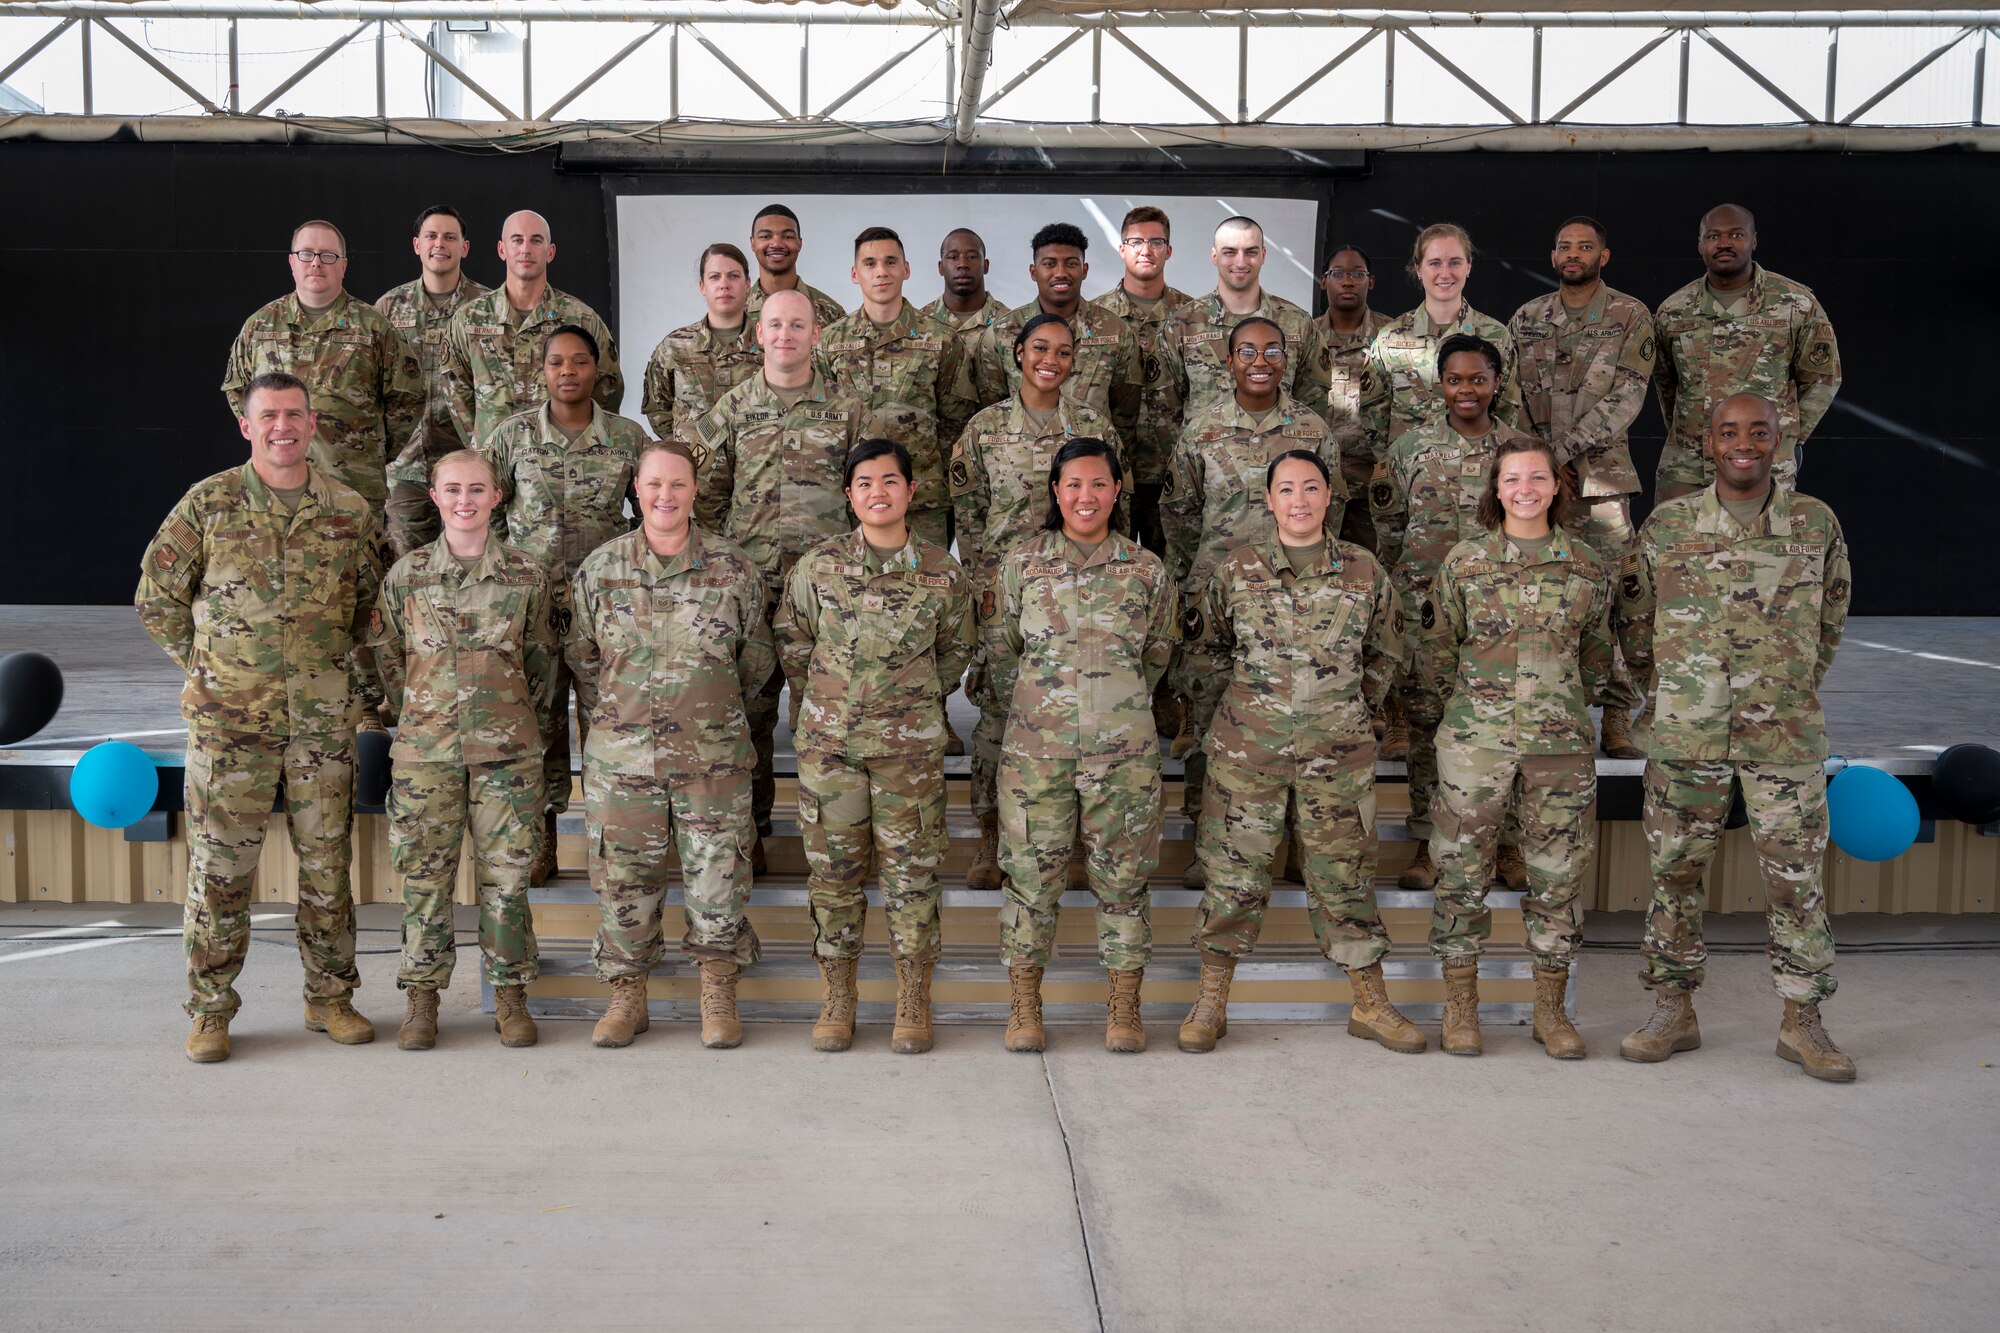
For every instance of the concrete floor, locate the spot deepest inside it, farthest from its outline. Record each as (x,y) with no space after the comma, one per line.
(1294,1179)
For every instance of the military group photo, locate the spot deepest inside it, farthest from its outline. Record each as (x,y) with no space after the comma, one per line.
(1135,524)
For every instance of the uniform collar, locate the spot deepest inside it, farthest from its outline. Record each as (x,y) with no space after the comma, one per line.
(1775,521)
(1371,324)
(1501,547)
(862,325)
(1232,413)
(485,567)
(550,307)
(714,340)
(257,496)
(815,392)
(1018,422)
(1754,296)
(905,559)
(1560,313)
(1420,321)
(1114,549)
(688,558)
(594,435)
(335,316)
(1325,561)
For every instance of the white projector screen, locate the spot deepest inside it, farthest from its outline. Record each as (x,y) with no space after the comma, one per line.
(660,236)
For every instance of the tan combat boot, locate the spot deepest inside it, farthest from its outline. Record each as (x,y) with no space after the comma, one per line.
(1208,1021)
(721,1029)
(510,1017)
(1123,1032)
(1510,867)
(337,1019)
(419,1031)
(912,1033)
(1024,1010)
(1422,872)
(545,853)
(985,871)
(1078,876)
(1617,741)
(1553,1029)
(1184,738)
(834,1029)
(625,1017)
(1461,1009)
(1669,1028)
(1802,1039)
(208,1042)
(1373,1018)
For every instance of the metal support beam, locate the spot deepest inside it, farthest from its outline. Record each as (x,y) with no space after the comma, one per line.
(869,78)
(1755,76)
(1172,78)
(382,70)
(41,44)
(805,63)
(1065,44)
(1897,82)
(528,69)
(777,107)
(235,73)
(1410,36)
(89,74)
(590,79)
(1535,82)
(450,67)
(1318,74)
(257,109)
(1242,68)
(980,21)
(1617,70)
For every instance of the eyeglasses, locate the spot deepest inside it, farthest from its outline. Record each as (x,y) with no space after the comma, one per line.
(1248,355)
(328,258)
(1144,242)
(1343,274)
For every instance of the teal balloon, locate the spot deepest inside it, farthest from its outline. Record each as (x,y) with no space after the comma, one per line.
(114,785)
(1874,816)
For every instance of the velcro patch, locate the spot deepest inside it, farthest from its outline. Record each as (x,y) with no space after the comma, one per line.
(1046,571)
(1802,548)
(933,580)
(825,414)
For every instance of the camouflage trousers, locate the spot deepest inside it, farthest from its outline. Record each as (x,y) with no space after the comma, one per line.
(1687,802)
(556,772)
(760,711)
(631,823)
(1357,519)
(1111,807)
(433,808)
(233,778)
(1423,710)
(1604,522)
(1554,796)
(887,810)
(1330,798)
(986,736)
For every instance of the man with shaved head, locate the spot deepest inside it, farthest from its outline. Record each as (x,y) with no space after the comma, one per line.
(1739,327)
(493,363)
(771,463)
(1733,603)
(1196,336)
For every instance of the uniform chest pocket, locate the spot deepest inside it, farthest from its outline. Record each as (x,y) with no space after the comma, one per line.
(1340,615)
(1046,606)
(243,559)
(624,618)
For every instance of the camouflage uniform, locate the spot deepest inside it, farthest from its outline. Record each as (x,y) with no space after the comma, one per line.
(411,518)
(769,478)
(665,651)
(968,326)
(467,657)
(1159,420)
(1347,358)
(1000,491)
(263,610)
(691,368)
(906,374)
(1108,375)
(1583,380)
(1426,502)
(493,369)
(1772,338)
(873,647)
(1076,650)
(562,502)
(1287,668)
(1738,629)
(1531,641)
(1399,389)
(1197,352)
(361,377)
(826,310)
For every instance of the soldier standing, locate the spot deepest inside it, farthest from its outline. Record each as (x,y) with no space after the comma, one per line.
(1086,623)
(1290,649)
(875,630)
(902,363)
(493,367)
(259,585)
(668,638)
(1586,356)
(775,240)
(1734,601)
(1435,476)
(1197,334)
(566,469)
(699,362)
(366,385)
(966,303)
(466,651)
(1524,641)
(1109,377)
(1739,328)
(1348,327)
(1214,493)
(1399,388)
(1143,300)
(771,454)
(1000,490)
(421,311)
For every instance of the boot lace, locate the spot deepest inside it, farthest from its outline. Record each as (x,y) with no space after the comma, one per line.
(718,999)
(211,1023)
(1025,1005)
(628,997)
(1665,1014)
(1124,1008)
(1813,1031)
(912,998)
(1208,1004)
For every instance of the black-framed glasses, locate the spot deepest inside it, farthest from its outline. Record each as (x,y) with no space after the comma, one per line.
(1248,354)
(1342,274)
(328,258)
(1144,242)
